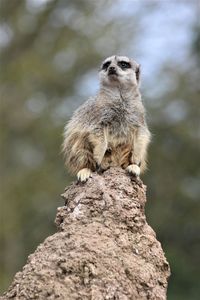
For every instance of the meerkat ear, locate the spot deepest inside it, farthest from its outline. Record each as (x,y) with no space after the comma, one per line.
(137,73)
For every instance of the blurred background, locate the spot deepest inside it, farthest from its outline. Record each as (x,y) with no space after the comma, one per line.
(50,54)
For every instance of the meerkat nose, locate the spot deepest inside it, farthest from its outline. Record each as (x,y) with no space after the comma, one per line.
(112,70)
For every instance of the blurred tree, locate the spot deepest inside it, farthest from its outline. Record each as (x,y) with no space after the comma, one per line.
(49,49)
(175,173)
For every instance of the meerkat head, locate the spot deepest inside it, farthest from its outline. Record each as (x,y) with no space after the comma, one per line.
(119,71)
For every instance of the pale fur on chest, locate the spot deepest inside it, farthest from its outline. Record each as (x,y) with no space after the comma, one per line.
(119,136)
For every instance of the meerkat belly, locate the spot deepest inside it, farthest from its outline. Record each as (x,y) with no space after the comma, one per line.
(120,147)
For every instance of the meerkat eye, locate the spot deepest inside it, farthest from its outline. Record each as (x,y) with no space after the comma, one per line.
(124,65)
(106,65)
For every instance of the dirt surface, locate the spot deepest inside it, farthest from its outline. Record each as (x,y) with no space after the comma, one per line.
(104,248)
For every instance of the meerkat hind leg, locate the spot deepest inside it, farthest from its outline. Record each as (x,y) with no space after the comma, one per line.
(84,174)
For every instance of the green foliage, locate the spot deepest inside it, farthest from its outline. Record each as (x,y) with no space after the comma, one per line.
(50,52)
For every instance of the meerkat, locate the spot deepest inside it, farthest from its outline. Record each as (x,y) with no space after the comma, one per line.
(109,129)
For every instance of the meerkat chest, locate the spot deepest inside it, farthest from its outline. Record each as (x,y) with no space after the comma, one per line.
(120,123)
(118,135)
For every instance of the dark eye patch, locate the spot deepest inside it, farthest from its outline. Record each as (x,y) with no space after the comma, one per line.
(106,65)
(124,65)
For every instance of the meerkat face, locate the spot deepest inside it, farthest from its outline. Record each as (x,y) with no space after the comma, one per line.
(119,71)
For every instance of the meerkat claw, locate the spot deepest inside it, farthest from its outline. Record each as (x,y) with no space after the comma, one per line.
(84,174)
(99,169)
(134,170)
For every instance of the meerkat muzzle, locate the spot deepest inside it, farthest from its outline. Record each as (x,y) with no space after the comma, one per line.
(112,71)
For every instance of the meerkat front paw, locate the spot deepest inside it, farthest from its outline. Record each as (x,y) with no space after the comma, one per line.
(133,169)
(84,174)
